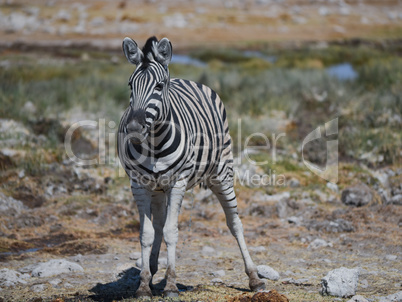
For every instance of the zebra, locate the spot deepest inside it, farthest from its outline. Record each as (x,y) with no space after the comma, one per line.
(173,136)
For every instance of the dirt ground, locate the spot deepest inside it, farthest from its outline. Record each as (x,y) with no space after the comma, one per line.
(197,23)
(100,233)
(87,216)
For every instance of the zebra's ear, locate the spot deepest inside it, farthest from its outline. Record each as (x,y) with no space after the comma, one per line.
(164,52)
(133,54)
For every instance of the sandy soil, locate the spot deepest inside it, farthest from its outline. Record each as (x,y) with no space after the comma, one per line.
(192,23)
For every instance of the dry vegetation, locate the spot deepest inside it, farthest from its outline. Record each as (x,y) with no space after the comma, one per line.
(284,86)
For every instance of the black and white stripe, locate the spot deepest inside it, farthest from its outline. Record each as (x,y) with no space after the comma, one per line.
(173,136)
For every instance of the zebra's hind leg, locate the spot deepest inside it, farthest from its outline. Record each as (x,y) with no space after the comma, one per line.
(224,191)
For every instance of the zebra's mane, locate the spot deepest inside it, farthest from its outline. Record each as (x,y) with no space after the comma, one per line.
(149,51)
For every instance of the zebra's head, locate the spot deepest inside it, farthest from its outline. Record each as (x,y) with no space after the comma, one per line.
(149,85)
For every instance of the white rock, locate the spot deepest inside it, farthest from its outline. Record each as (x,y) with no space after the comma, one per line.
(397,297)
(219,273)
(21,174)
(323,11)
(63,15)
(318,243)
(13,128)
(358,298)
(294,183)
(295,220)
(216,280)
(10,206)
(208,250)
(257,249)
(138,263)
(37,288)
(77,258)
(333,187)
(10,277)
(135,256)
(98,21)
(56,267)
(267,272)
(340,282)
(391,257)
(29,108)
(55,282)
(275,197)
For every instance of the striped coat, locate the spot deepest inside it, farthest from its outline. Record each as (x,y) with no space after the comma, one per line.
(192,142)
(173,136)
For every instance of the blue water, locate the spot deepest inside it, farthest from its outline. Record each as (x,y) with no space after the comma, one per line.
(20,252)
(257,54)
(343,71)
(187,60)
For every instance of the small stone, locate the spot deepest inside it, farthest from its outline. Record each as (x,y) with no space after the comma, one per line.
(208,250)
(391,257)
(357,196)
(56,267)
(219,273)
(318,243)
(216,281)
(29,108)
(397,297)
(364,283)
(267,272)
(340,282)
(10,277)
(333,187)
(295,220)
(37,288)
(257,249)
(115,258)
(77,258)
(294,183)
(55,282)
(358,298)
(396,199)
(135,256)
(21,174)
(138,263)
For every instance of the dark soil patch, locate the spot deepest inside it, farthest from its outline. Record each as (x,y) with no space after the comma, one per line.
(271,296)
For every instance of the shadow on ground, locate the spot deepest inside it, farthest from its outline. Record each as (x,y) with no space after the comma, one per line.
(126,286)
(123,288)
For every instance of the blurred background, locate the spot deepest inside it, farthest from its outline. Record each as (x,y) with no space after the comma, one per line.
(280,66)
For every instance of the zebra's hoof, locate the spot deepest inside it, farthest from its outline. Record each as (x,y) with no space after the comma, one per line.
(171,294)
(143,294)
(257,285)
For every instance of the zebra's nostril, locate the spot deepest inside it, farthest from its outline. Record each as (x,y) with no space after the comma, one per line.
(134,126)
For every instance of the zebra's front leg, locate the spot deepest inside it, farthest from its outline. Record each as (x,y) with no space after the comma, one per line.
(171,235)
(143,200)
(224,191)
(158,208)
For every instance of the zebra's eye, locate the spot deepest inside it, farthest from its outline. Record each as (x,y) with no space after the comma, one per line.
(159,86)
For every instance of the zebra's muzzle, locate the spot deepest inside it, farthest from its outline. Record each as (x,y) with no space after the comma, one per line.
(136,127)
(137,138)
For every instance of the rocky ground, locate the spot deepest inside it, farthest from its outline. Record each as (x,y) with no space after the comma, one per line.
(70,233)
(86,220)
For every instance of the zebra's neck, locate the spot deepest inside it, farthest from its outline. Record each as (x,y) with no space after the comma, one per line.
(165,136)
